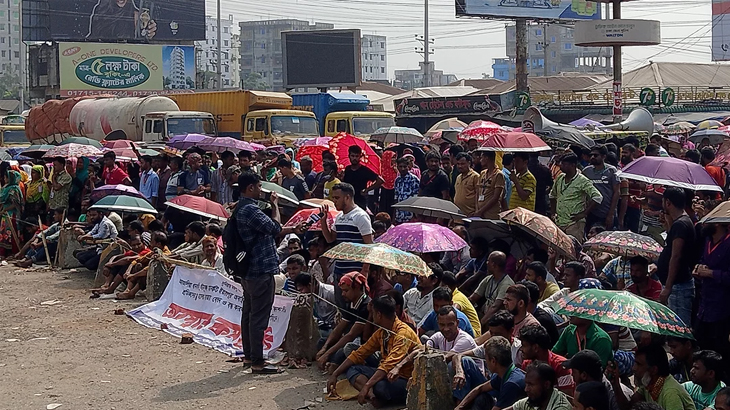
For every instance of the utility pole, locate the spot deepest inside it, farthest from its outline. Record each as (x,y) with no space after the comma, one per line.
(23,69)
(545,50)
(426,51)
(617,87)
(521,54)
(219,72)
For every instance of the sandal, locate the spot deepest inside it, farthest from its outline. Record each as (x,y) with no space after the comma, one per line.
(268,369)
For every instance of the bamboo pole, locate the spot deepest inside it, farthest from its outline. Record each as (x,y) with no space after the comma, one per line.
(45,244)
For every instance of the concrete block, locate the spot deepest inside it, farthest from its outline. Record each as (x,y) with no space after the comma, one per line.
(156,280)
(430,386)
(67,244)
(303,333)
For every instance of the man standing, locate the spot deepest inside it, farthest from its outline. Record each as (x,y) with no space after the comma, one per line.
(606,181)
(544,181)
(196,180)
(434,182)
(467,185)
(176,164)
(164,173)
(674,267)
(491,188)
(258,233)
(572,198)
(221,190)
(635,190)
(525,184)
(359,176)
(149,181)
(642,284)
(309,174)
(291,181)
(112,174)
(717,173)
(60,184)
(406,186)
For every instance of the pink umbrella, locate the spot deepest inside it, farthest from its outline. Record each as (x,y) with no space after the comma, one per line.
(118,144)
(199,206)
(480,130)
(106,190)
(422,238)
(186,141)
(257,147)
(514,142)
(221,144)
(73,151)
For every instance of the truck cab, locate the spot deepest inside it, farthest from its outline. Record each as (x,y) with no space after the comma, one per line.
(161,126)
(358,123)
(13,136)
(279,126)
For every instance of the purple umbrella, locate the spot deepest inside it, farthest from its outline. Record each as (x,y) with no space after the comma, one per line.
(671,172)
(106,190)
(422,238)
(584,122)
(221,144)
(186,141)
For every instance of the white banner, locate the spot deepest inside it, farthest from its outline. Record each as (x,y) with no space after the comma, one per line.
(208,305)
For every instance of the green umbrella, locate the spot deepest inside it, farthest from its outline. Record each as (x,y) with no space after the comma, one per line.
(285,195)
(37,151)
(382,255)
(622,308)
(148,151)
(124,203)
(82,141)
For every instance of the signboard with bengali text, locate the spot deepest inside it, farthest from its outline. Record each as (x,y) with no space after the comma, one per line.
(530,9)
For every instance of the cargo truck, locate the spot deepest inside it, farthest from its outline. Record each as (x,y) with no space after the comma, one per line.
(341,112)
(257,116)
(148,119)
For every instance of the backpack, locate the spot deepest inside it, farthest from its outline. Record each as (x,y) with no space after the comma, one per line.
(236,257)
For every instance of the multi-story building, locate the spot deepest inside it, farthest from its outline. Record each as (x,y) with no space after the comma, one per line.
(236,61)
(410,79)
(10,45)
(177,69)
(261,48)
(207,52)
(503,68)
(552,50)
(374,58)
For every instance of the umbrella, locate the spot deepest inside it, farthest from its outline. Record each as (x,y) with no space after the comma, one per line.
(422,238)
(622,308)
(342,142)
(722,157)
(520,243)
(380,254)
(73,151)
(671,172)
(681,127)
(418,153)
(221,144)
(714,135)
(626,244)
(719,215)
(257,147)
(5,155)
(565,135)
(480,130)
(82,141)
(709,124)
(285,195)
(106,190)
(444,125)
(304,215)
(118,144)
(321,141)
(124,203)
(397,135)
(199,206)
(542,227)
(148,151)
(123,154)
(450,135)
(659,127)
(314,152)
(37,151)
(427,206)
(186,141)
(514,142)
(585,123)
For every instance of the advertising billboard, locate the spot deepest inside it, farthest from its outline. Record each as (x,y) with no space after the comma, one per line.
(139,21)
(125,69)
(531,9)
(720,30)
(321,58)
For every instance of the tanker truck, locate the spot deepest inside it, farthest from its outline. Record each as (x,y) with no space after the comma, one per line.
(148,119)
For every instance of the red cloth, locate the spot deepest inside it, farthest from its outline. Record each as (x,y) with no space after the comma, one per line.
(114,176)
(143,252)
(355,277)
(388,170)
(655,289)
(566,384)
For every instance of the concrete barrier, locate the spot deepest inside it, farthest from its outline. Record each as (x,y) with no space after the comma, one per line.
(430,386)
(109,252)
(156,280)
(303,333)
(67,244)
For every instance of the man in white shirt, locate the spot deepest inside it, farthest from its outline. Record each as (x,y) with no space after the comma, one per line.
(418,301)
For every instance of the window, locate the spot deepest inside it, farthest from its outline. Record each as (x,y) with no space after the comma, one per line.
(552,39)
(2,53)
(16,15)
(382,70)
(568,46)
(342,126)
(225,30)
(15,41)
(382,57)
(17,54)
(538,32)
(382,44)
(263,31)
(331,126)
(553,54)
(260,124)
(2,27)
(538,47)
(263,46)
(206,54)
(225,43)
(554,69)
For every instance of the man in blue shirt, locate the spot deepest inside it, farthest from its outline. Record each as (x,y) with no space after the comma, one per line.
(149,181)
(429,325)
(196,180)
(258,233)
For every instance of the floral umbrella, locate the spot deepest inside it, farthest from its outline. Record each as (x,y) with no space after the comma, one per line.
(681,127)
(304,215)
(626,244)
(542,227)
(73,151)
(186,141)
(422,238)
(722,157)
(480,130)
(380,254)
(622,308)
(343,141)
(106,190)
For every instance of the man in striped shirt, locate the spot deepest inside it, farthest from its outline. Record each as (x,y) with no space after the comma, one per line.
(352,225)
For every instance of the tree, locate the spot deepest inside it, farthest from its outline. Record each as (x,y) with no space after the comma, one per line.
(9,86)
(254,81)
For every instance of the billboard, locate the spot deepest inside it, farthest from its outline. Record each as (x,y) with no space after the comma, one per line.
(442,106)
(531,9)
(125,69)
(321,58)
(720,30)
(139,21)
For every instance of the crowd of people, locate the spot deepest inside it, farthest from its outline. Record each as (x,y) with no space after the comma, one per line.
(491,313)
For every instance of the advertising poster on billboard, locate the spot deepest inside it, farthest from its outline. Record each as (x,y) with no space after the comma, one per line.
(138,21)
(720,30)
(125,69)
(532,9)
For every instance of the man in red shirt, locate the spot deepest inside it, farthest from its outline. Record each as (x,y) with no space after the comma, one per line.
(113,174)
(536,345)
(717,173)
(643,285)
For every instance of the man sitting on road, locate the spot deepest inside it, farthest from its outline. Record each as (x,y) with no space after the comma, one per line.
(429,324)
(103,229)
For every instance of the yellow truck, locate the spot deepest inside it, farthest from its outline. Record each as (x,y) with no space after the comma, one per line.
(255,116)
(13,136)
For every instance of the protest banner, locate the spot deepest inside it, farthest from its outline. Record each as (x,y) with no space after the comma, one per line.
(208,305)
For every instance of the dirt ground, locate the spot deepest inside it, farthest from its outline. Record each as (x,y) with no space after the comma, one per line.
(75,352)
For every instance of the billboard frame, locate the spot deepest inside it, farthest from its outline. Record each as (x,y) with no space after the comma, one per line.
(357,37)
(460,12)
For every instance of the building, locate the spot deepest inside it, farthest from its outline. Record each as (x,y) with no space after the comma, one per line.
(374,58)
(261,48)
(207,53)
(551,51)
(177,69)
(236,61)
(10,46)
(410,79)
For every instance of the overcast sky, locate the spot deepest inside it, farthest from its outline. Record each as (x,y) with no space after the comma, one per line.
(465,46)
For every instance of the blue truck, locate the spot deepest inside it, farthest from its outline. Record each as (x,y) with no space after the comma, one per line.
(342,112)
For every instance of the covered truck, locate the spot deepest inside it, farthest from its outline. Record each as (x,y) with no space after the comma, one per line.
(258,116)
(342,112)
(149,119)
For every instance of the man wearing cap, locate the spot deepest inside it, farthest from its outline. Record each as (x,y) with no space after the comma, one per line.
(585,366)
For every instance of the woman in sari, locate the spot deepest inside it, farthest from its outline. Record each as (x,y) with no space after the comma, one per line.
(37,193)
(79,170)
(11,199)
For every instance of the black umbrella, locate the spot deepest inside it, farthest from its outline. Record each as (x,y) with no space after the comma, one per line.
(518,241)
(565,135)
(417,153)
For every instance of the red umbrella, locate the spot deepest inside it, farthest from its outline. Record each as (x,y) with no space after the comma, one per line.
(314,152)
(514,142)
(199,206)
(124,154)
(118,144)
(480,130)
(343,141)
(304,215)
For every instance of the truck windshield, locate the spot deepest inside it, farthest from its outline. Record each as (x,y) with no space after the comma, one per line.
(183,126)
(14,137)
(367,126)
(293,125)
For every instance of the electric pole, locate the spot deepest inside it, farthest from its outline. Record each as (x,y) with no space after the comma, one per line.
(521,54)
(545,50)
(219,72)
